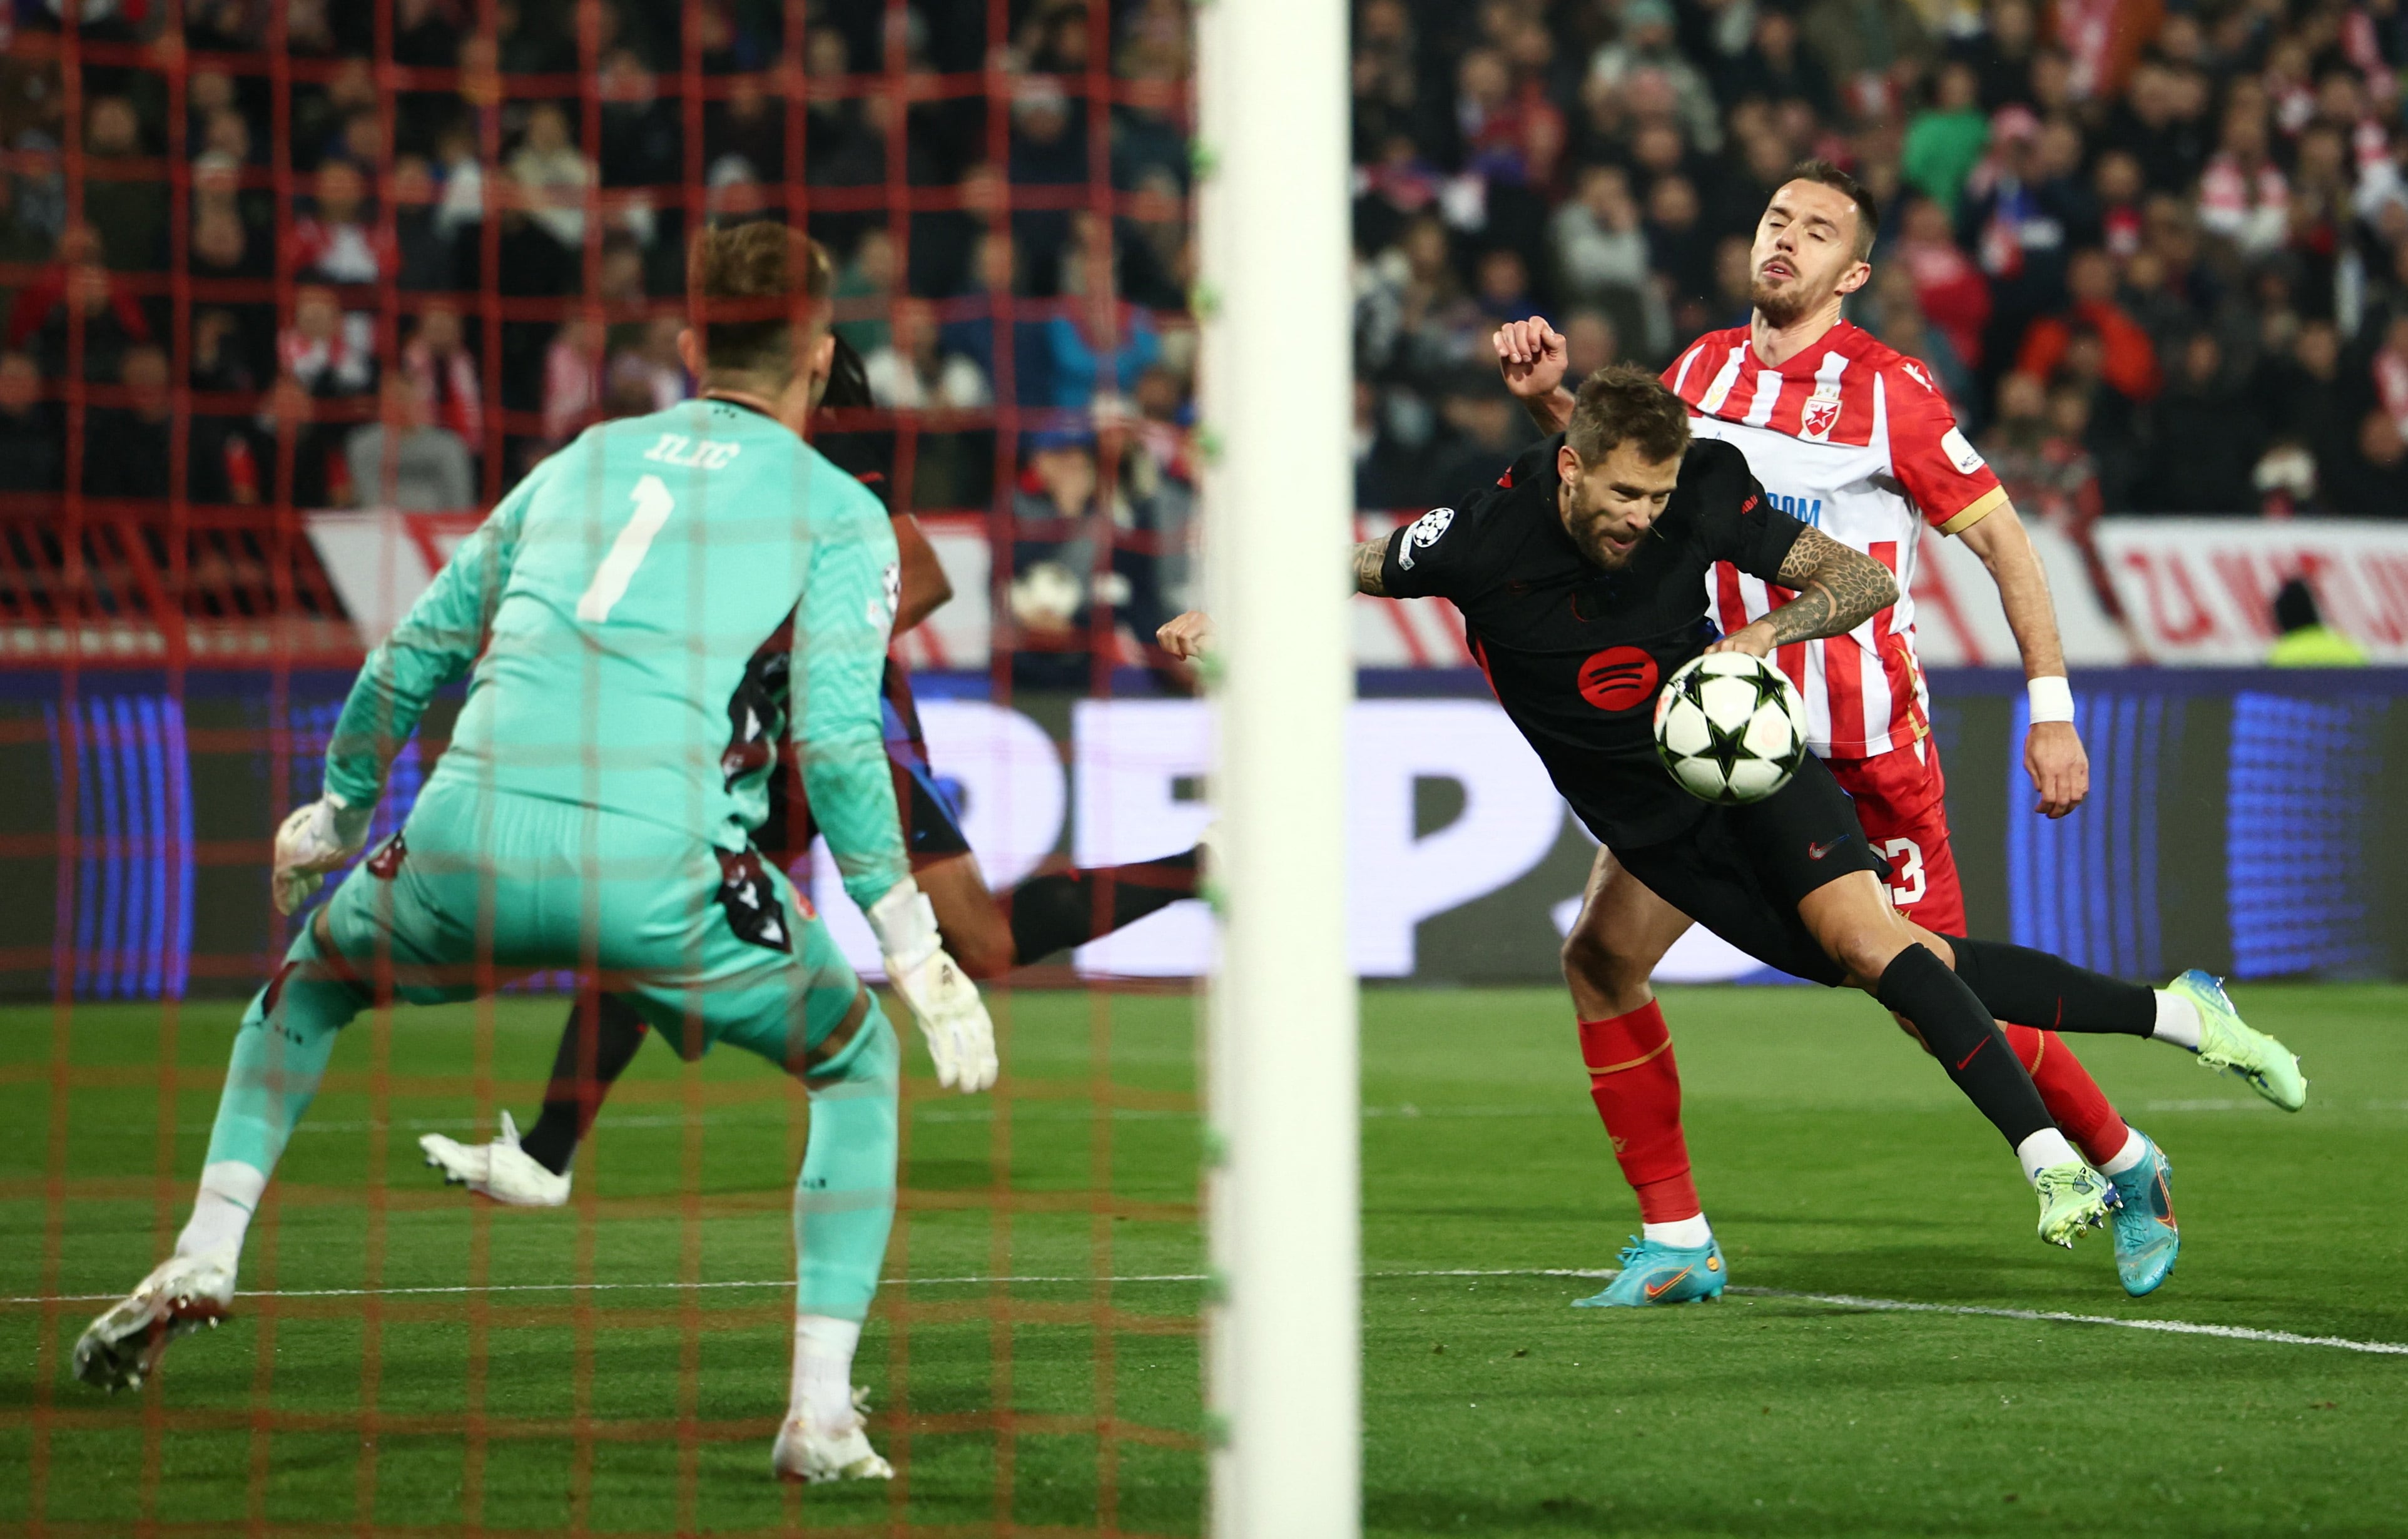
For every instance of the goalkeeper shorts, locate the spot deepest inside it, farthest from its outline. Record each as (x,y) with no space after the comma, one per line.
(708,945)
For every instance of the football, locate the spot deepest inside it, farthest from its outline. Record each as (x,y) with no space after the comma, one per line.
(1731,727)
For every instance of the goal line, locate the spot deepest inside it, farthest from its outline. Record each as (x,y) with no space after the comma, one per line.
(1842,1301)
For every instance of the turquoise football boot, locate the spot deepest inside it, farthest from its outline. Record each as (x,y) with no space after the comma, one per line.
(1653,1273)
(2147,1238)
(2228,1043)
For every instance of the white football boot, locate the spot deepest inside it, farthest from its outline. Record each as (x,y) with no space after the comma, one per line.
(500,1169)
(807,1454)
(184,1293)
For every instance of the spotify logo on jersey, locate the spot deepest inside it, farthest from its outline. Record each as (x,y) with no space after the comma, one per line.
(1618,678)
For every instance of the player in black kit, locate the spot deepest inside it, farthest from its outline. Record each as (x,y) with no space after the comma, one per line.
(1581,576)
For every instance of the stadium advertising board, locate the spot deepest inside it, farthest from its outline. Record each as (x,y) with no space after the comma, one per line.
(2237,821)
(2202,590)
(379,561)
(2194,591)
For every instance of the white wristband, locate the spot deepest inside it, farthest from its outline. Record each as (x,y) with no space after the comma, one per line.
(2052,699)
(905,923)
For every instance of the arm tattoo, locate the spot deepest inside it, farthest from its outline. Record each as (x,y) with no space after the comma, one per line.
(1369,556)
(1838,589)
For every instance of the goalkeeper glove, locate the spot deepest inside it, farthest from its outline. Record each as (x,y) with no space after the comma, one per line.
(940,995)
(315,839)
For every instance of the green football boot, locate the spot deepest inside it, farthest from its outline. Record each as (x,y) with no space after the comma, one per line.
(2228,1043)
(1653,1273)
(2147,1238)
(2072,1197)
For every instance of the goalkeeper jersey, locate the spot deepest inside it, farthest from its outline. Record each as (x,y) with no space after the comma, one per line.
(619,593)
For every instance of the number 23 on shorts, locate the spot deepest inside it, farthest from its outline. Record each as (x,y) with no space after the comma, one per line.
(1905,857)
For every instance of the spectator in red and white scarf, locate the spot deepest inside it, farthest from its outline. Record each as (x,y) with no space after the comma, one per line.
(2289,92)
(338,241)
(444,372)
(327,351)
(2342,105)
(2120,187)
(2243,194)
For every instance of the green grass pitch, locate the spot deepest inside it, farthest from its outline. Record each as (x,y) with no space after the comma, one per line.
(1834,1159)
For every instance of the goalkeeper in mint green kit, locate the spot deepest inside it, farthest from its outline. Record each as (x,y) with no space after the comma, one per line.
(593,806)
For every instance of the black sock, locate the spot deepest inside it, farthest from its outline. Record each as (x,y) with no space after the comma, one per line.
(1960,1033)
(2034,988)
(1050,914)
(608,1037)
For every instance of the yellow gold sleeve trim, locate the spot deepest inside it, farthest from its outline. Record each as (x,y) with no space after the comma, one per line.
(1983,507)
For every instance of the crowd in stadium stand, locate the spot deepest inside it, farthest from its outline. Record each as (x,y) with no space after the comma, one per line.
(2156,255)
(403,266)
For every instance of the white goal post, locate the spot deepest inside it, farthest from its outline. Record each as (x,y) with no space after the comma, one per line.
(1283,1359)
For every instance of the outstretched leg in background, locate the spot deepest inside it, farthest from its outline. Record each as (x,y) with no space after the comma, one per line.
(1047,914)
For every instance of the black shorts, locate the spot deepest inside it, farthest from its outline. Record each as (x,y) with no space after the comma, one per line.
(932,826)
(1740,870)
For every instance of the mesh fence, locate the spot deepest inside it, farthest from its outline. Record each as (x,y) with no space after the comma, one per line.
(320,282)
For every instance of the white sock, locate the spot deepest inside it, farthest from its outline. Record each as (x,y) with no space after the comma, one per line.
(1689,1233)
(2042,1149)
(2135,1149)
(2177,1021)
(823,1388)
(222,1209)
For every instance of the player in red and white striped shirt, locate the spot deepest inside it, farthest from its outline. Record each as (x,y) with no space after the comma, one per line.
(1848,436)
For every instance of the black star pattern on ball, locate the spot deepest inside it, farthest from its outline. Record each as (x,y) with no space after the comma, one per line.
(1724,747)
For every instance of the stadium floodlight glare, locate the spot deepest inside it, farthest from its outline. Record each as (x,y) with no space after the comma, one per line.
(1283,1362)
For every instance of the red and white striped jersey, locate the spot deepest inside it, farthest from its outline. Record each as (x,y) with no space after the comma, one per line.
(1849,436)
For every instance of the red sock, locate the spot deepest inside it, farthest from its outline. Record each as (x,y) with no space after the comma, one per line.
(1637,1087)
(2072,1096)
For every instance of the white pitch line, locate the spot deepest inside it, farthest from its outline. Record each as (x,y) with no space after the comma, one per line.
(1845,1301)
(2057,1317)
(1033,1111)
(772,1112)
(606,1288)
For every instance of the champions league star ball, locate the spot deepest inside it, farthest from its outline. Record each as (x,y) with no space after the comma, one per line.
(1730,729)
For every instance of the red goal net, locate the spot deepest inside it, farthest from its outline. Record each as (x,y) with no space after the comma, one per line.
(293,292)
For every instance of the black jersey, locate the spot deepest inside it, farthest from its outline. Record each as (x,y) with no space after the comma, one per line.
(1577,653)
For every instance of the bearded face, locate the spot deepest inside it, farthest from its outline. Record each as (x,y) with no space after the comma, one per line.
(1609,508)
(1782,305)
(1805,253)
